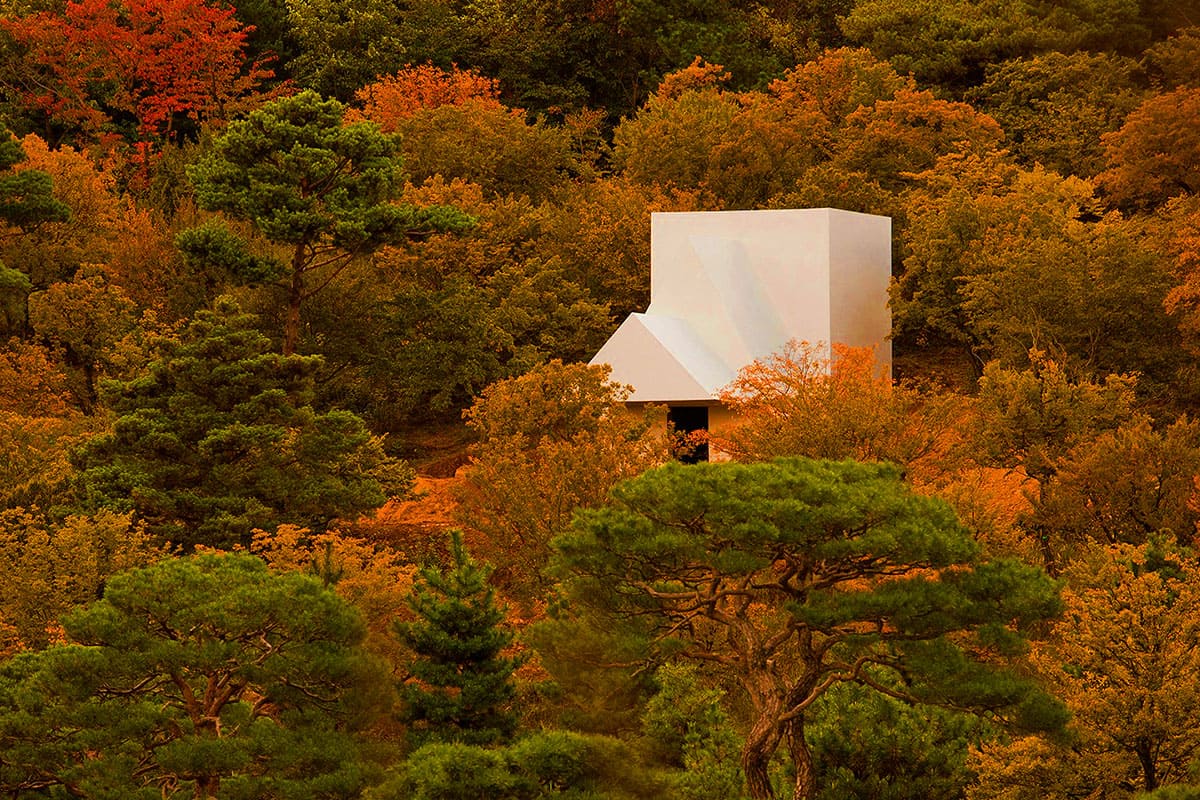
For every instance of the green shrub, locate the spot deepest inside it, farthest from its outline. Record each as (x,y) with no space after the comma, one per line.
(453,772)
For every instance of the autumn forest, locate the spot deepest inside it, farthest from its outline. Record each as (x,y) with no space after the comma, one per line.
(308,491)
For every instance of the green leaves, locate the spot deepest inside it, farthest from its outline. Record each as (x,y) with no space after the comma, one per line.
(294,171)
(793,576)
(316,190)
(214,245)
(25,196)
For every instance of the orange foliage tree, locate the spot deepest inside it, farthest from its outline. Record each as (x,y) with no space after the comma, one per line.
(481,141)
(53,250)
(1156,154)
(1001,260)
(600,232)
(1127,485)
(909,132)
(454,126)
(1032,421)
(839,82)
(551,441)
(52,567)
(38,427)
(132,245)
(1183,244)
(1124,659)
(694,77)
(809,400)
(398,97)
(742,147)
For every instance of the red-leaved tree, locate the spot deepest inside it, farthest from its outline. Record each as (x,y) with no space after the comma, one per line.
(158,64)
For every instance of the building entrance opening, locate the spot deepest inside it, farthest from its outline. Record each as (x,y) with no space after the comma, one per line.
(689,433)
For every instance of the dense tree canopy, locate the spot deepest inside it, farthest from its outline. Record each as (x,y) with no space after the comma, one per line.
(316,188)
(551,441)
(435,212)
(94,64)
(1124,662)
(804,402)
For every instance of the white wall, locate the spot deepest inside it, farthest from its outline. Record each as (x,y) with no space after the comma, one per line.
(733,286)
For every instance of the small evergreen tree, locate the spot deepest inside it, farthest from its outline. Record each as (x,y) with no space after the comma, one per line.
(459,685)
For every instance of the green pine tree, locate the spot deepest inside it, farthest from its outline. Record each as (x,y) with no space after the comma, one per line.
(203,677)
(316,190)
(219,437)
(460,685)
(792,577)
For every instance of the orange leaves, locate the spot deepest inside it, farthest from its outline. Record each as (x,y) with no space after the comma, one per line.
(374,579)
(398,97)
(839,82)
(753,149)
(98,224)
(743,147)
(698,75)
(835,403)
(1156,153)
(454,126)
(1183,301)
(910,131)
(551,441)
(1124,659)
(30,383)
(600,232)
(159,60)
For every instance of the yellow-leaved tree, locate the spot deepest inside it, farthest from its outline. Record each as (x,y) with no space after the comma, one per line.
(51,568)
(1124,658)
(818,402)
(553,440)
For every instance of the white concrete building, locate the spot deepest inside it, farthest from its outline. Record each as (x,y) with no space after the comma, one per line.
(729,287)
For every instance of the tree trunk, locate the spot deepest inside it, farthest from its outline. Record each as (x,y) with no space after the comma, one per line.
(806,779)
(755,763)
(291,325)
(206,787)
(761,742)
(1041,531)
(1149,768)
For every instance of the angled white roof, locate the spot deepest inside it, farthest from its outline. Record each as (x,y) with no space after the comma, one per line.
(729,287)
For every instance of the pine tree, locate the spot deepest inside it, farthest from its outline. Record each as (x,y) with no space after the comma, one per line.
(791,577)
(202,677)
(459,685)
(317,190)
(220,437)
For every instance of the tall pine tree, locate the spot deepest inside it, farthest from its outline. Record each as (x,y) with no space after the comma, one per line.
(459,686)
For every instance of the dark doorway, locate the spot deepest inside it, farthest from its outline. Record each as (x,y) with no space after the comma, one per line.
(689,428)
